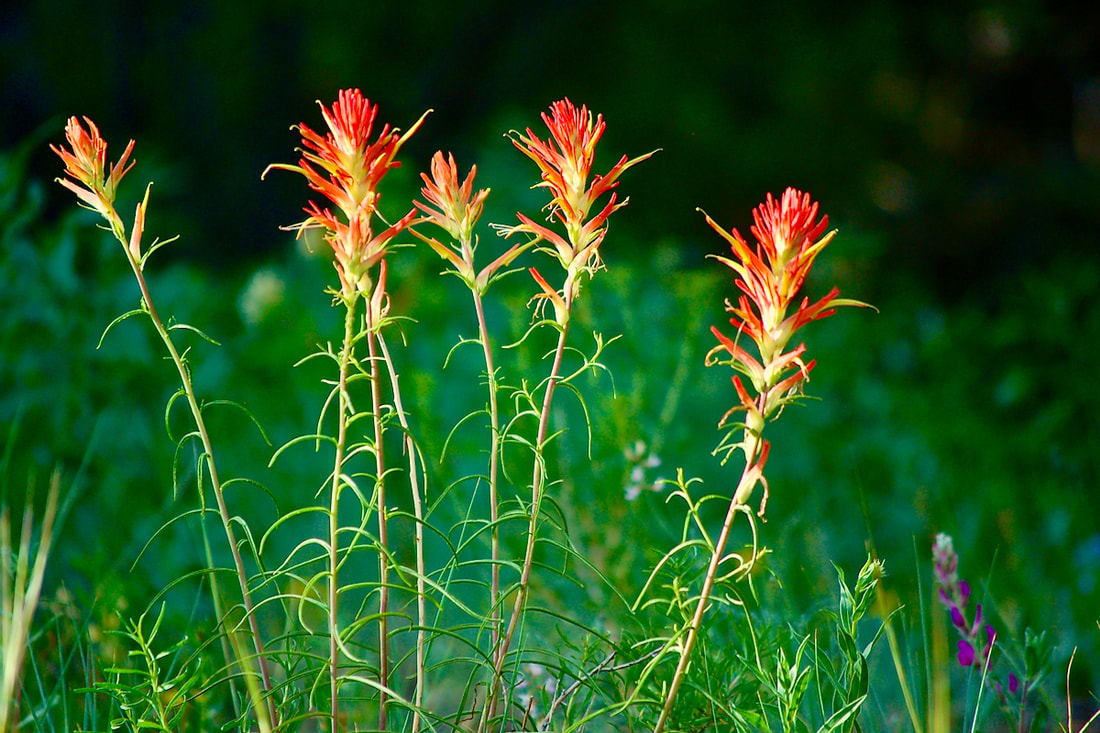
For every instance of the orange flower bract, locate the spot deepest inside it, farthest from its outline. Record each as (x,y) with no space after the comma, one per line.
(565,160)
(789,237)
(346,167)
(86,164)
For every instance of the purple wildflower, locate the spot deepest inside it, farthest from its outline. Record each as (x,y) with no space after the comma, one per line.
(954,595)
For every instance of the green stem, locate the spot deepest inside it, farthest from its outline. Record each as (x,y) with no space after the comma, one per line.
(537,479)
(494,460)
(744,487)
(344,403)
(418,512)
(383,565)
(223,511)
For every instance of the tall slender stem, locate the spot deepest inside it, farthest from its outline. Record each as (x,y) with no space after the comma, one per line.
(383,540)
(494,460)
(216,485)
(418,513)
(537,479)
(748,480)
(344,405)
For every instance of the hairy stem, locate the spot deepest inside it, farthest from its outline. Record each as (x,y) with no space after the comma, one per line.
(418,512)
(215,482)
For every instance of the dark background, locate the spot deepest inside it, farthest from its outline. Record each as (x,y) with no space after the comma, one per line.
(967,134)
(956,146)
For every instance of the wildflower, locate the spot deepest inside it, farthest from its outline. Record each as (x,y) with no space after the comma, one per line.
(346,167)
(455,208)
(96,185)
(954,595)
(565,160)
(789,237)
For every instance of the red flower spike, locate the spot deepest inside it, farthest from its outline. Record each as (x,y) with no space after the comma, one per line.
(344,166)
(565,160)
(789,236)
(86,164)
(787,227)
(456,207)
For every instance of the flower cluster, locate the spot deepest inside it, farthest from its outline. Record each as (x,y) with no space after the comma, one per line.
(346,167)
(954,594)
(789,237)
(565,161)
(455,208)
(94,183)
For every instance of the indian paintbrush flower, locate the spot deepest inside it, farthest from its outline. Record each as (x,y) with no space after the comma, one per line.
(346,167)
(95,184)
(455,208)
(565,160)
(789,237)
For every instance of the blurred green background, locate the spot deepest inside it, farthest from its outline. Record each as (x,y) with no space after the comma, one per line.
(955,145)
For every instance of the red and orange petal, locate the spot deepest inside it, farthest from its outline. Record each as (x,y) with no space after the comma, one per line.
(747,321)
(781,393)
(574,130)
(549,294)
(337,187)
(754,419)
(352,165)
(457,207)
(87,158)
(344,148)
(787,226)
(755,475)
(350,120)
(380,241)
(751,365)
(86,162)
(821,309)
(563,248)
(566,158)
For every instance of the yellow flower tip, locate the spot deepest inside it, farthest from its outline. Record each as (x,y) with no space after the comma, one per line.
(414,128)
(139,226)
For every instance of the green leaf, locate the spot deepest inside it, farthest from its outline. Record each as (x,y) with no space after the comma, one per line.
(186,327)
(841,716)
(120,319)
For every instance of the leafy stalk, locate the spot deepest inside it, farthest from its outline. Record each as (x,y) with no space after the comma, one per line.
(494,466)
(215,483)
(95,186)
(537,482)
(749,477)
